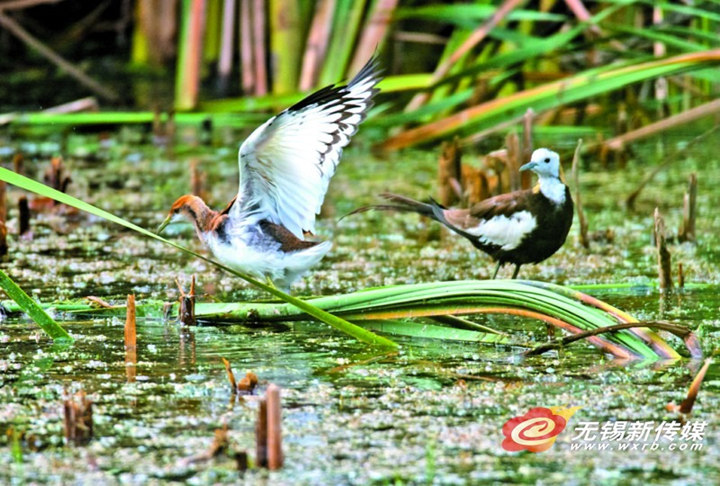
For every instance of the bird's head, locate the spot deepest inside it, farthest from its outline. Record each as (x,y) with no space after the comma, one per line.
(188,207)
(544,162)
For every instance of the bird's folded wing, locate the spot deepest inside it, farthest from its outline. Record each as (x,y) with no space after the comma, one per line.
(503,221)
(502,205)
(287,163)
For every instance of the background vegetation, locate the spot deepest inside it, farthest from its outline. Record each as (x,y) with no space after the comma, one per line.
(464,67)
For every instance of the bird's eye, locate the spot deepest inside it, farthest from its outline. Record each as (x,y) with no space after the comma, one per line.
(177,210)
(547,160)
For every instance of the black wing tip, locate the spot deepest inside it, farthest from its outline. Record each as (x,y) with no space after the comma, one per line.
(371,71)
(321,96)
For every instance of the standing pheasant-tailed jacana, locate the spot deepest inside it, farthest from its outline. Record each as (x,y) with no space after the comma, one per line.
(520,227)
(285,168)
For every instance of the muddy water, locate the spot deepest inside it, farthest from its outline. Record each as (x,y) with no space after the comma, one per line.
(432,413)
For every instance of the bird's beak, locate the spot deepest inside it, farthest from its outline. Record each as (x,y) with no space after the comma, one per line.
(164,224)
(529,166)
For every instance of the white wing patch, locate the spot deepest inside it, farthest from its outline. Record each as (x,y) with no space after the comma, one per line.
(505,232)
(287,163)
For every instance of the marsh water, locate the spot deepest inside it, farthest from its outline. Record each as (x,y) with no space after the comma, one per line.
(430,414)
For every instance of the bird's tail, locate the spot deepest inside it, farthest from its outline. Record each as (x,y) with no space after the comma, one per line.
(401,204)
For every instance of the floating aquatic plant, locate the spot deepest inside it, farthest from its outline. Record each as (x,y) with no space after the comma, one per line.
(431,311)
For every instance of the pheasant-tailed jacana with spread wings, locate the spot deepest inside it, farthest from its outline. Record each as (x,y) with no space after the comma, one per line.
(521,227)
(285,168)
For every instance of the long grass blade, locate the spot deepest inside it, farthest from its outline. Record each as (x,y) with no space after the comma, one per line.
(443,302)
(317,43)
(552,95)
(474,39)
(556,305)
(285,45)
(430,331)
(374,33)
(187,83)
(32,309)
(346,23)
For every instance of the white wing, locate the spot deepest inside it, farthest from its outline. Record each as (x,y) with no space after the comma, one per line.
(287,163)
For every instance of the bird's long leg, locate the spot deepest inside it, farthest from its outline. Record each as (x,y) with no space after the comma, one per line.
(515,273)
(497,268)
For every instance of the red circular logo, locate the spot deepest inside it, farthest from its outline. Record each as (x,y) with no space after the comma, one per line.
(535,431)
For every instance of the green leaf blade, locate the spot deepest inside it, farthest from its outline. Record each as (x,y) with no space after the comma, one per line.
(33,310)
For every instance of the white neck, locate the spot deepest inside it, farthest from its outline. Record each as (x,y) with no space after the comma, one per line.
(553,189)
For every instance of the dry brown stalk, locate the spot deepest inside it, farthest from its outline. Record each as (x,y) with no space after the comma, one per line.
(130,324)
(513,160)
(157,19)
(373,33)
(197,179)
(476,186)
(681,276)
(83,104)
(687,232)
(230,375)
(527,147)
(584,240)
(450,174)
(663,254)
(98,301)
(220,442)
(130,340)
(707,109)
(497,162)
(227,47)
(687,405)
(3,218)
(241,459)
(274,429)
(188,90)
(3,240)
(261,450)
(56,175)
(683,333)
(258,20)
(247,68)
(186,312)
(317,43)
(24,218)
(18,162)
(78,419)
(220,445)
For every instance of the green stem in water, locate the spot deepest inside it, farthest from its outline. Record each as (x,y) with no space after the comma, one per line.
(32,309)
